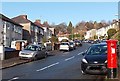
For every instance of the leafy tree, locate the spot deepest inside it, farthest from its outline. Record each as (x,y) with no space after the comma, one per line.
(96,25)
(61,27)
(70,28)
(44,39)
(53,40)
(72,36)
(101,37)
(95,36)
(77,36)
(111,32)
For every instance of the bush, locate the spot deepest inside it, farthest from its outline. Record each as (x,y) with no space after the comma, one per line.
(111,32)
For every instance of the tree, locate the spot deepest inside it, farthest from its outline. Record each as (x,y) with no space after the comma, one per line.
(53,40)
(44,39)
(72,36)
(77,36)
(60,28)
(111,32)
(95,37)
(70,28)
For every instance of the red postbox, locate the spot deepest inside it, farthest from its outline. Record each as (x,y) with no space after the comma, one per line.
(112,58)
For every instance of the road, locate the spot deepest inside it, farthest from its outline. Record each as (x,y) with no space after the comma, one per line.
(65,65)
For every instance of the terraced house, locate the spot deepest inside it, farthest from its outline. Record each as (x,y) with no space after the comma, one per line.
(32,32)
(10,30)
(45,26)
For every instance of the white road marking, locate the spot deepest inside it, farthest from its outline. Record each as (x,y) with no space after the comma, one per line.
(15,78)
(70,58)
(48,66)
(80,53)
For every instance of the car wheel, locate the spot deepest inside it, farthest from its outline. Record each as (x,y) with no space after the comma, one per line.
(35,58)
(46,54)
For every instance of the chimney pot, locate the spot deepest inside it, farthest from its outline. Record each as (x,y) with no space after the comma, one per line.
(24,16)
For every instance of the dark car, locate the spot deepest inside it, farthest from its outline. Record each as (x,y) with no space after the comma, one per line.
(7,49)
(95,59)
(78,43)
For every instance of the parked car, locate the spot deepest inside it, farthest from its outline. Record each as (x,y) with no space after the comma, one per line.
(33,52)
(6,49)
(65,46)
(95,59)
(97,41)
(78,43)
(72,45)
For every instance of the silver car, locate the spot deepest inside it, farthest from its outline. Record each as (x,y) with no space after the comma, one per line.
(33,52)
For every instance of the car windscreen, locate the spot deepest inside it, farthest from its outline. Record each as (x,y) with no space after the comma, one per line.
(31,47)
(97,50)
(71,43)
(64,44)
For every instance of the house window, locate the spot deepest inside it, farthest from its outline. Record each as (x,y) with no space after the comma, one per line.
(31,28)
(8,25)
(36,29)
(12,27)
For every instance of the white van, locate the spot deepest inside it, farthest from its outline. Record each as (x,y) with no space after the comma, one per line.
(18,44)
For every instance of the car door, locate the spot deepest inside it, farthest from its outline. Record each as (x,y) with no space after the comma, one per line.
(40,52)
(43,51)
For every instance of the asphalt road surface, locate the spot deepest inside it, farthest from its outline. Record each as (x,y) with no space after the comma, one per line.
(64,65)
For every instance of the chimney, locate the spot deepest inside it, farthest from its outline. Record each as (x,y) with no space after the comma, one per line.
(24,16)
(38,21)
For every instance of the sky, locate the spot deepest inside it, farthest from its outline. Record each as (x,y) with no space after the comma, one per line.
(58,12)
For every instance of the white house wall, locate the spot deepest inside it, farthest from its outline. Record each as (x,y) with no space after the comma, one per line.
(11,33)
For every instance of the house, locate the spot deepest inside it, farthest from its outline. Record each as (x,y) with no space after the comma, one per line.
(39,31)
(53,31)
(47,31)
(31,31)
(90,33)
(103,31)
(11,30)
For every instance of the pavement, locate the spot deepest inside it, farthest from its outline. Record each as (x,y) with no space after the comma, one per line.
(16,61)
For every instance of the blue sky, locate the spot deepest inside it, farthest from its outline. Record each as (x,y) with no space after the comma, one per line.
(58,12)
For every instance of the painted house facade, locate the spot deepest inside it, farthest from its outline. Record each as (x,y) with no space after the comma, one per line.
(11,30)
(31,32)
(90,33)
(47,31)
(103,31)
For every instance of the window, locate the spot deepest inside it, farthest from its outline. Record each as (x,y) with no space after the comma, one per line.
(31,47)
(36,29)
(8,25)
(12,27)
(31,28)
(97,50)
(19,30)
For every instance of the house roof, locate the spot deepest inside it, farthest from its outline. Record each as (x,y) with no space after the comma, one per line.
(9,20)
(39,24)
(21,19)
